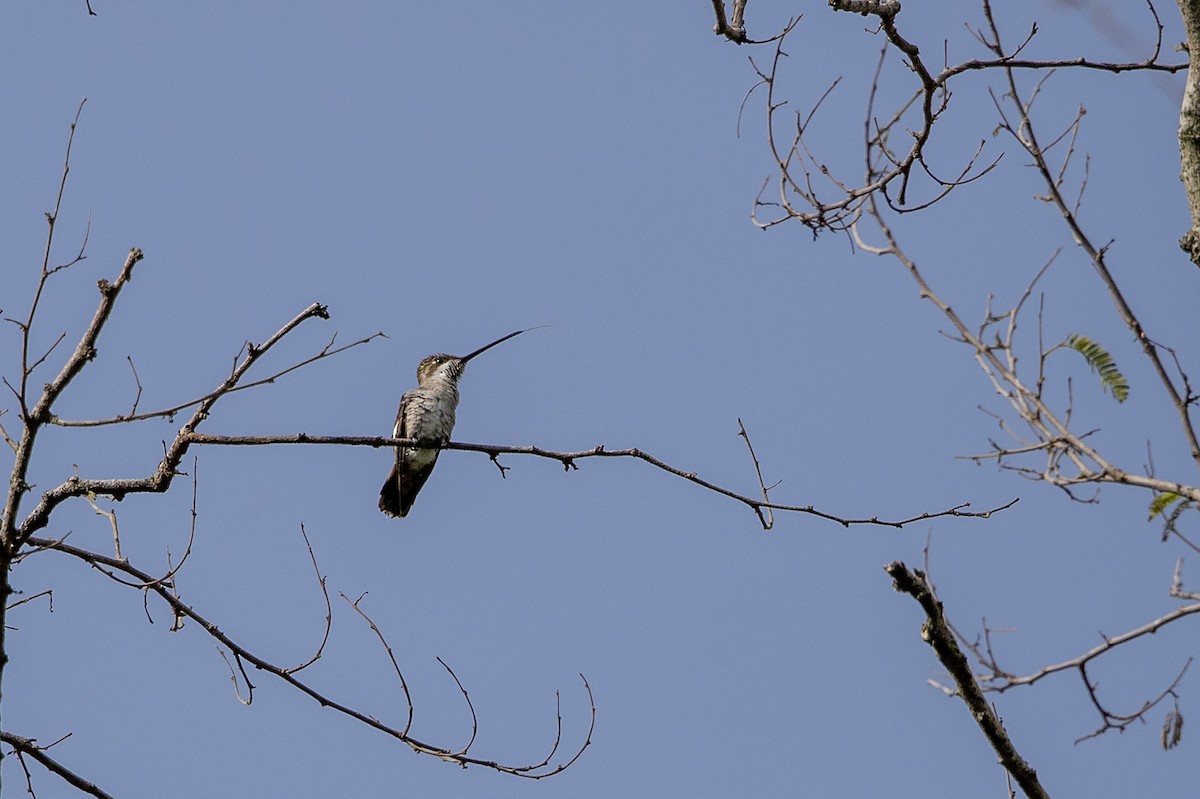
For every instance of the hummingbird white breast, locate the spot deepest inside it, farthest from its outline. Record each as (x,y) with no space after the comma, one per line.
(427,413)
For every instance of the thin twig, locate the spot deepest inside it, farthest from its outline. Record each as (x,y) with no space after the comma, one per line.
(567,459)
(769,521)
(169,412)
(470,707)
(328,606)
(162,478)
(391,656)
(242,654)
(30,747)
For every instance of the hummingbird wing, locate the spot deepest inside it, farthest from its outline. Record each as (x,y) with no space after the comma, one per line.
(412,467)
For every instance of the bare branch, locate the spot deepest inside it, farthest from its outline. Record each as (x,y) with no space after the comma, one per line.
(1052,431)
(735,31)
(996,679)
(48,593)
(242,654)
(733,28)
(567,459)
(33,366)
(769,520)
(328,607)
(327,351)
(475,718)
(248,699)
(391,656)
(112,521)
(161,480)
(1116,721)
(999,680)
(51,220)
(1023,132)
(137,381)
(936,632)
(34,418)
(797,166)
(29,746)
(880,8)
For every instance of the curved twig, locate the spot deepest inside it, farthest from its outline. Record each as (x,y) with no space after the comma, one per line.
(471,708)
(391,655)
(241,653)
(328,607)
(1117,721)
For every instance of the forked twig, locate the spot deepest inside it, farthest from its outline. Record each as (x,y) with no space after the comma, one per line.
(30,747)
(769,521)
(242,655)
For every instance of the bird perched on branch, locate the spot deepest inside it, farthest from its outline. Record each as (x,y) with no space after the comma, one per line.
(426,414)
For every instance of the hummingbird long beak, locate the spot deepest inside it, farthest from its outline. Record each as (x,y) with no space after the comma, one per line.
(466,358)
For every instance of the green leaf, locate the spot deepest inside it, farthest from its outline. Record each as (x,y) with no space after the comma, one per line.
(1102,363)
(1161,502)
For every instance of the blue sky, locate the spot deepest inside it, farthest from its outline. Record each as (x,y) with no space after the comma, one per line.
(448,173)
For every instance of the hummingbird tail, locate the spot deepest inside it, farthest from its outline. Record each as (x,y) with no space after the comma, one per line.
(403,484)
(389,496)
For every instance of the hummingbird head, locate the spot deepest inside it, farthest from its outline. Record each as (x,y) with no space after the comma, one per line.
(451,366)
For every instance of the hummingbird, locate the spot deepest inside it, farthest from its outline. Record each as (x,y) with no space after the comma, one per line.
(426,414)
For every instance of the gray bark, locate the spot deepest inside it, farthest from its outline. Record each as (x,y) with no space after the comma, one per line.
(1189,128)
